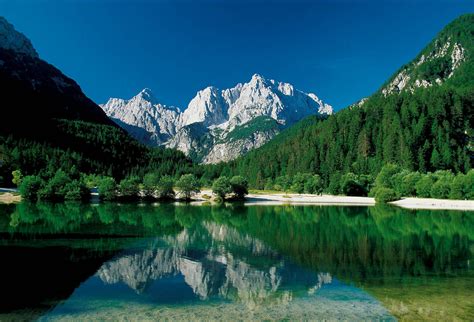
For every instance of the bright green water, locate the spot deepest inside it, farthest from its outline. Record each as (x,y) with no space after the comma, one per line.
(181,262)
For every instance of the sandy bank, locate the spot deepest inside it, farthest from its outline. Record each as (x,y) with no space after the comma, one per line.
(9,197)
(291,198)
(428,203)
(266,199)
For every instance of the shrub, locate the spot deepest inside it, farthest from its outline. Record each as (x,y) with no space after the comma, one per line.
(354,185)
(165,188)
(129,188)
(76,190)
(424,185)
(284,182)
(17,177)
(469,185)
(457,187)
(386,174)
(188,185)
(150,184)
(384,195)
(30,186)
(240,187)
(314,185)
(269,185)
(334,187)
(298,183)
(408,184)
(221,187)
(55,188)
(440,189)
(107,188)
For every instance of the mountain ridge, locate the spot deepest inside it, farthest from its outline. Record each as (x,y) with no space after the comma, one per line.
(220,112)
(426,124)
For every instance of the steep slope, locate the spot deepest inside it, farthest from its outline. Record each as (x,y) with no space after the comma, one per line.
(48,123)
(34,91)
(206,130)
(143,117)
(422,119)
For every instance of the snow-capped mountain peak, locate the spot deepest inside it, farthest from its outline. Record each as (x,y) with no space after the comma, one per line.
(215,114)
(14,40)
(147,95)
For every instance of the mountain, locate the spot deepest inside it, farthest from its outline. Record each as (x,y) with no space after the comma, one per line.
(47,122)
(421,118)
(217,125)
(34,91)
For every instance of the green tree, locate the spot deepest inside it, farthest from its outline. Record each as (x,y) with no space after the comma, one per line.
(457,187)
(55,188)
(221,187)
(17,177)
(107,188)
(386,175)
(188,185)
(30,186)
(298,183)
(240,186)
(165,188)
(76,190)
(440,189)
(129,188)
(423,186)
(313,185)
(469,185)
(150,184)
(384,195)
(407,186)
(352,185)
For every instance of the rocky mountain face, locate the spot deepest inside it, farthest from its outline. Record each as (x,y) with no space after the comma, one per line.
(434,66)
(218,125)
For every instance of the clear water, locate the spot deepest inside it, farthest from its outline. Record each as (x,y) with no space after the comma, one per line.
(181,262)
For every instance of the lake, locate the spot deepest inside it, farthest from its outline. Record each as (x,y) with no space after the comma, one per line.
(181,262)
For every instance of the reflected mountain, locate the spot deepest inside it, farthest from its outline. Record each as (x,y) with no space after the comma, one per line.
(259,262)
(212,259)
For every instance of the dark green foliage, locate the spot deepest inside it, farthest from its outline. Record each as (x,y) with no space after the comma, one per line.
(188,185)
(62,186)
(17,177)
(165,188)
(76,190)
(150,184)
(384,195)
(91,148)
(355,185)
(129,188)
(239,187)
(30,186)
(385,178)
(107,189)
(407,186)
(425,130)
(222,187)
(423,186)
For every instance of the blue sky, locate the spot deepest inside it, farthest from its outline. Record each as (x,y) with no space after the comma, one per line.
(340,50)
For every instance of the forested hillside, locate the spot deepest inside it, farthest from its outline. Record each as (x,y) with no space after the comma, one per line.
(48,123)
(421,119)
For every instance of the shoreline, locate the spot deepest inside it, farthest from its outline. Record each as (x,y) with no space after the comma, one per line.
(275,199)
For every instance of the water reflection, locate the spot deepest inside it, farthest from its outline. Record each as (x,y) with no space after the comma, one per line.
(296,262)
